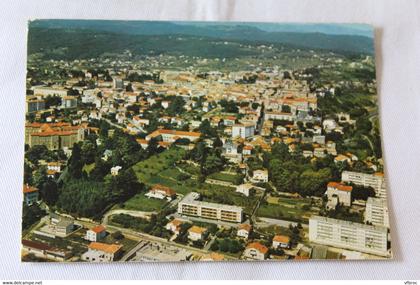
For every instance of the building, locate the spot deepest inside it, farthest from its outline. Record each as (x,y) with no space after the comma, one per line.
(69,102)
(49,91)
(161,192)
(102,252)
(174,226)
(244,230)
(274,115)
(196,233)
(115,170)
(60,226)
(44,251)
(244,188)
(376,181)
(377,212)
(280,241)
(255,250)
(349,235)
(54,136)
(155,251)
(260,175)
(341,191)
(117,83)
(30,194)
(192,207)
(96,233)
(34,104)
(172,135)
(244,131)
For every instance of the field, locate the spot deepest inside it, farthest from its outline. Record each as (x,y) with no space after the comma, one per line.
(154,165)
(292,209)
(142,203)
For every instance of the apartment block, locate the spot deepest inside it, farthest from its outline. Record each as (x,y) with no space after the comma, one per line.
(349,235)
(377,212)
(191,206)
(376,181)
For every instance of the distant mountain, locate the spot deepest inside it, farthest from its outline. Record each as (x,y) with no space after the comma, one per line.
(292,34)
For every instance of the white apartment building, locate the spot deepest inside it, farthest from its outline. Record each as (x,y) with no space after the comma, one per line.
(349,235)
(376,181)
(192,207)
(341,191)
(377,212)
(273,115)
(244,131)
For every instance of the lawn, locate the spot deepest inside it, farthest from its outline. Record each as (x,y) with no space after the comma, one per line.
(232,178)
(145,170)
(286,209)
(142,203)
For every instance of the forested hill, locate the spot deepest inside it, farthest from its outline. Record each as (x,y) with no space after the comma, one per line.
(79,42)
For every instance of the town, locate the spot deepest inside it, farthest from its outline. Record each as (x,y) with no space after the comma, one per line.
(195,158)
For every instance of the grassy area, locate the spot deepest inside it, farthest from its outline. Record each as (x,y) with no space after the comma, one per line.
(190,168)
(145,170)
(142,203)
(286,208)
(232,178)
(88,167)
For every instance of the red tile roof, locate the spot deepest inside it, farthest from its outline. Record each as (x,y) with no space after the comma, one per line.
(260,247)
(98,229)
(29,189)
(340,186)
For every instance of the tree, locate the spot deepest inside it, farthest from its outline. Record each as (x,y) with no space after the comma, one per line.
(88,151)
(76,162)
(49,192)
(313,183)
(217,142)
(176,107)
(31,214)
(152,147)
(285,108)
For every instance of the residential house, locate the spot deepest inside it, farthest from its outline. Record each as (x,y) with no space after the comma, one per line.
(96,233)
(30,194)
(102,252)
(256,251)
(196,233)
(244,230)
(281,241)
(161,192)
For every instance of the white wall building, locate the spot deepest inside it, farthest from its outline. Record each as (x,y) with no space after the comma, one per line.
(102,252)
(377,212)
(243,130)
(349,235)
(376,181)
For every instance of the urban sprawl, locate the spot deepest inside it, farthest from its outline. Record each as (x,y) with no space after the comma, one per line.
(159,158)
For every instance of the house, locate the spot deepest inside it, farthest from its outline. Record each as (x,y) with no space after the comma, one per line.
(280,241)
(260,175)
(115,170)
(196,233)
(255,250)
(247,150)
(161,192)
(244,230)
(30,194)
(96,233)
(244,188)
(44,251)
(102,252)
(174,226)
(60,226)
(341,191)
(342,158)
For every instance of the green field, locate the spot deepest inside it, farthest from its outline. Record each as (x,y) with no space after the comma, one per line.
(232,178)
(286,208)
(145,170)
(142,203)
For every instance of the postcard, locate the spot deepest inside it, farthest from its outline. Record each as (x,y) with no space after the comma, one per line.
(152,141)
